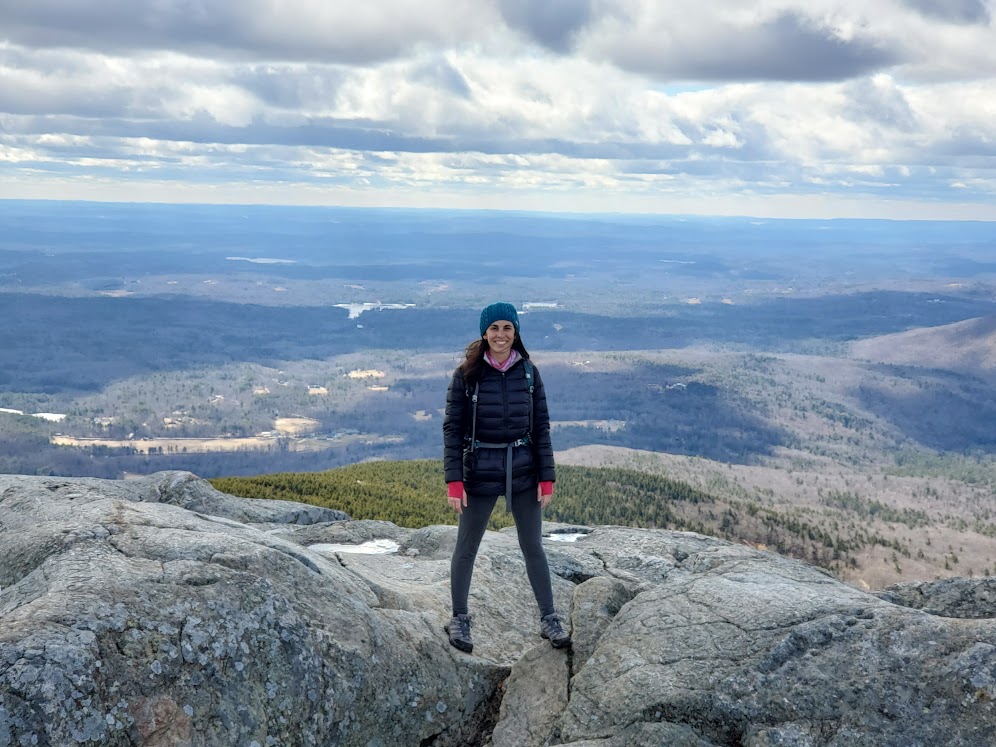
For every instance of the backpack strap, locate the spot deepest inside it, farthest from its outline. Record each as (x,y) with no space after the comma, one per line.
(529,380)
(473,415)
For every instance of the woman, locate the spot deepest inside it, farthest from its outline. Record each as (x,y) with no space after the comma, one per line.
(496,435)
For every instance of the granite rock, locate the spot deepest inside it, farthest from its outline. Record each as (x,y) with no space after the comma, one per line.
(160,612)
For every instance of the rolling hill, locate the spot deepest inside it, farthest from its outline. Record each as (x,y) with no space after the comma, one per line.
(868,540)
(968,347)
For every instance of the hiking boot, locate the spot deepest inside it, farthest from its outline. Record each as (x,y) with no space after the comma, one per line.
(459,631)
(553,629)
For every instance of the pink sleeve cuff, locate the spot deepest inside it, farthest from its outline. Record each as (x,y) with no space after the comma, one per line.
(546,487)
(454,489)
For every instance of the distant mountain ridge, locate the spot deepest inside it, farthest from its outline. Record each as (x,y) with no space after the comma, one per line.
(967,346)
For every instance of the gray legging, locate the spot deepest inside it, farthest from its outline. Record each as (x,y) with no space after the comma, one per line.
(528,517)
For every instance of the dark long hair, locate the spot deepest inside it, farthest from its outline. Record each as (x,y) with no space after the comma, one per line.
(473,358)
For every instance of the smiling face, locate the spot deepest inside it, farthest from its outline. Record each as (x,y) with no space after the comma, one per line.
(500,336)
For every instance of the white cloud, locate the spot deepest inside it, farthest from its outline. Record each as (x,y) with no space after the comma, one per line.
(727,40)
(788,40)
(732,102)
(953,11)
(310,30)
(553,24)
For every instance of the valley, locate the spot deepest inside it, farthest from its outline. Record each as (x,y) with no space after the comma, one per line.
(837,373)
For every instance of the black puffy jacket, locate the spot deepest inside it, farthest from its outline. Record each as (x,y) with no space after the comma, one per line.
(502,417)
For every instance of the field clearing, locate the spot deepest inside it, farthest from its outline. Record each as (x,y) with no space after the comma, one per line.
(295,426)
(172,445)
(220,444)
(948,544)
(606,425)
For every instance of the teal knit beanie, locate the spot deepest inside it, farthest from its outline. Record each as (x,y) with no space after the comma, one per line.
(497,311)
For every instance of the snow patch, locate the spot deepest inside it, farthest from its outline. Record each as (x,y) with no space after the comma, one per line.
(373,547)
(567,536)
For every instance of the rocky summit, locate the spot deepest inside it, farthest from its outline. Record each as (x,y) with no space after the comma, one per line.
(160,612)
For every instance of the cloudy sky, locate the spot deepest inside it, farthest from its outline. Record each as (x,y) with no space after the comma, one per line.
(750,107)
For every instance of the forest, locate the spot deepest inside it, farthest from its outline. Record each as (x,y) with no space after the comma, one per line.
(728,407)
(53,344)
(720,349)
(411,494)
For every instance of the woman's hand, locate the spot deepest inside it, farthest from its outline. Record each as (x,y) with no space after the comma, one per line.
(544,493)
(458,504)
(456,496)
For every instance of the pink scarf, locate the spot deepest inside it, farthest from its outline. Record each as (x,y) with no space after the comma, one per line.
(509,362)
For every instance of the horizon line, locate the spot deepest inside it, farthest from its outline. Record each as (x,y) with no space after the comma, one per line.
(571,215)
